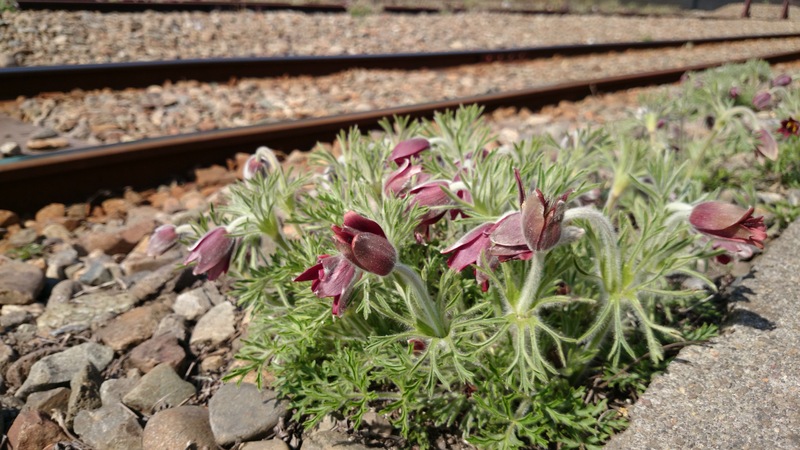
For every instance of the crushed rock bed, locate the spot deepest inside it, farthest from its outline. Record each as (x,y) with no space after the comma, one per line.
(107,116)
(48,38)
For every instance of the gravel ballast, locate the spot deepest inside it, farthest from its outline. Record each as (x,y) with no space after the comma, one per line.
(48,38)
(106,116)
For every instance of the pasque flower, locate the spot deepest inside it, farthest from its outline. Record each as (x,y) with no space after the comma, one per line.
(766,145)
(789,127)
(781,80)
(409,148)
(363,245)
(263,161)
(729,222)
(332,276)
(399,182)
(471,249)
(363,242)
(162,239)
(430,194)
(212,252)
(762,100)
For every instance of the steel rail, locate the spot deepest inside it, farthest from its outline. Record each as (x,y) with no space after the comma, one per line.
(266,5)
(74,175)
(34,80)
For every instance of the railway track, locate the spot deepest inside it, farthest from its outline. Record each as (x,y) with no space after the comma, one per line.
(29,81)
(73,175)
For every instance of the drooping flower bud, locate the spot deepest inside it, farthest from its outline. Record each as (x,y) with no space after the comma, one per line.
(762,100)
(781,80)
(408,148)
(766,145)
(212,252)
(363,242)
(263,161)
(162,239)
(734,92)
(399,182)
(730,222)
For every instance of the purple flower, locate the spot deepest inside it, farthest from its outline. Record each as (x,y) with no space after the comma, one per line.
(400,180)
(762,100)
(212,252)
(781,80)
(408,148)
(470,247)
(766,145)
(430,194)
(732,249)
(332,276)
(789,127)
(541,220)
(729,222)
(363,242)
(161,240)
(508,240)
(263,161)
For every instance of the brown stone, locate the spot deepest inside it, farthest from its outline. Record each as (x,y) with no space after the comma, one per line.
(137,230)
(116,208)
(46,401)
(179,427)
(214,175)
(47,144)
(50,212)
(160,349)
(132,327)
(78,211)
(158,199)
(108,242)
(8,218)
(33,430)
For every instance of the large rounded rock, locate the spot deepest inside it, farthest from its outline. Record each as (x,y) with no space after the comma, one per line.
(20,283)
(111,427)
(179,428)
(228,421)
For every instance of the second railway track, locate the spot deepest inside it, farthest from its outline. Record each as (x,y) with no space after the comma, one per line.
(75,174)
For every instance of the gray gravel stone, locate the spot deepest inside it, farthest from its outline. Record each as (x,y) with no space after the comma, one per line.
(230,425)
(46,401)
(179,428)
(742,391)
(112,391)
(159,388)
(173,324)
(58,369)
(215,327)
(111,427)
(86,310)
(272,444)
(192,304)
(328,440)
(20,283)
(84,392)
(57,262)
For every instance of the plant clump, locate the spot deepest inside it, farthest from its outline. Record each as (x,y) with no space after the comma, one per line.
(512,295)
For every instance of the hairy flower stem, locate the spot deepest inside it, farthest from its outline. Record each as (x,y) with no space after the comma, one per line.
(431,316)
(531,286)
(610,259)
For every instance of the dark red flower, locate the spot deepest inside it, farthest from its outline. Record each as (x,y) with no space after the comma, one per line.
(399,182)
(332,276)
(161,240)
(363,242)
(729,222)
(541,220)
(212,252)
(408,148)
(789,127)
(766,145)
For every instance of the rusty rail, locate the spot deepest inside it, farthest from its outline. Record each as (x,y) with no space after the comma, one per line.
(74,175)
(29,81)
